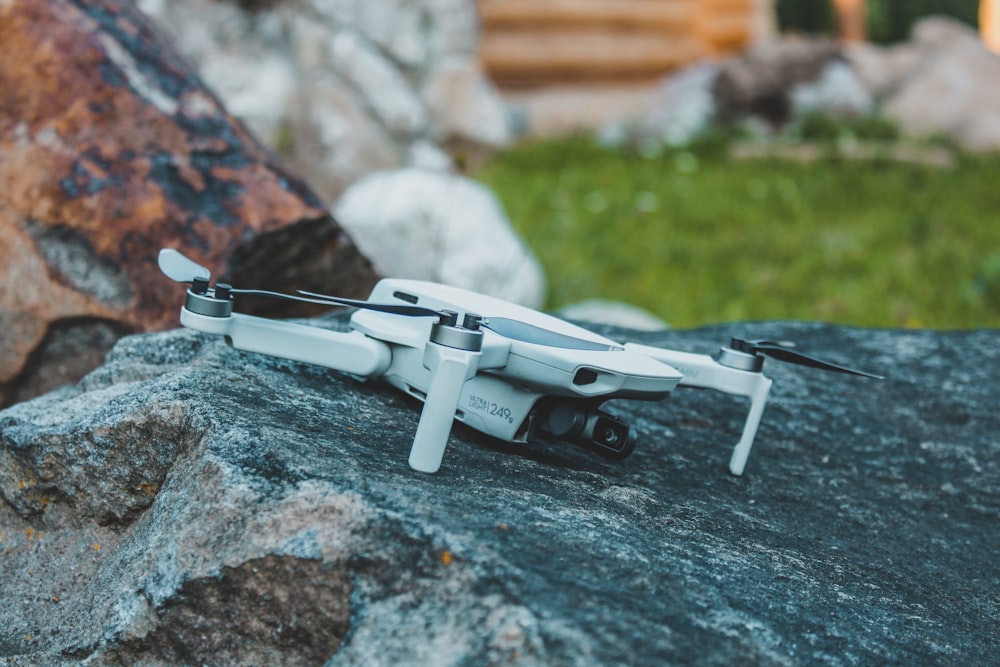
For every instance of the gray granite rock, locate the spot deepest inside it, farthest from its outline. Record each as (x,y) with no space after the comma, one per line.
(190,504)
(342,88)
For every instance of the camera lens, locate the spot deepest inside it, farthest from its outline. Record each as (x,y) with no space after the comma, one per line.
(610,437)
(610,433)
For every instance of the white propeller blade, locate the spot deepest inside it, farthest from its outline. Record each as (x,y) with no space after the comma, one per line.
(179,268)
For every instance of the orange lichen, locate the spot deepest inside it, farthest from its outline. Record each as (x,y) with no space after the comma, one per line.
(149,489)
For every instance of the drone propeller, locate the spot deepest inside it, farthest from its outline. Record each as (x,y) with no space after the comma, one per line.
(502,326)
(391,308)
(530,333)
(783,352)
(181,269)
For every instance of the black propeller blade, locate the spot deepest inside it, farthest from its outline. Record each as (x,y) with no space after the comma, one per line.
(783,352)
(266,294)
(391,308)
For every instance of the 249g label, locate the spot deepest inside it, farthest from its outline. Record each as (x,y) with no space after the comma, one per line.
(480,404)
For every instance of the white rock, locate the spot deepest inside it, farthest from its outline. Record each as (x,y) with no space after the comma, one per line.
(397,27)
(952,93)
(334,139)
(683,106)
(452,29)
(256,91)
(838,92)
(464,106)
(414,223)
(425,154)
(937,33)
(239,56)
(881,69)
(383,87)
(344,87)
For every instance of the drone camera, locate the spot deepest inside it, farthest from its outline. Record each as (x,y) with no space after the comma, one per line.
(583,425)
(610,433)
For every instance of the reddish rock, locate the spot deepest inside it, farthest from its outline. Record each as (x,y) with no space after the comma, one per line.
(111,148)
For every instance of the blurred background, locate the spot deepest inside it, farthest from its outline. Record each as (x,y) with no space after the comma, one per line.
(708,160)
(815,159)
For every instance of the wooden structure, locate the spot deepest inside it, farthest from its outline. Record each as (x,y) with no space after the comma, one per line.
(851,19)
(989,23)
(538,42)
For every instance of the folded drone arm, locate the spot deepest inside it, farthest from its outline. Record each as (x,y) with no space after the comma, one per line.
(351,352)
(701,370)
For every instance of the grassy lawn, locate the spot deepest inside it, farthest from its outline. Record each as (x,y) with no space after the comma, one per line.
(697,237)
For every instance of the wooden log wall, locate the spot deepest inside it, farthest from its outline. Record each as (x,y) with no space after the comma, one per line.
(540,42)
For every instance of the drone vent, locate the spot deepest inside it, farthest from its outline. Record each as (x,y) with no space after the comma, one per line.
(403,296)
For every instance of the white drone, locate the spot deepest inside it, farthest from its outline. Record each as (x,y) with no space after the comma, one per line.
(506,370)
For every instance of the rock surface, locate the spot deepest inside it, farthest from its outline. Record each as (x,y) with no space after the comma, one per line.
(111,148)
(432,225)
(345,88)
(190,504)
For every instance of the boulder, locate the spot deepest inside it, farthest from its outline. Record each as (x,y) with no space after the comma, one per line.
(771,85)
(945,60)
(431,225)
(838,92)
(189,504)
(939,83)
(111,148)
(683,106)
(463,109)
(882,69)
(760,82)
(952,92)
(342,89)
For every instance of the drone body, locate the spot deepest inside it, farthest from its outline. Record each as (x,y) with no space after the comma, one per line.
(514,373)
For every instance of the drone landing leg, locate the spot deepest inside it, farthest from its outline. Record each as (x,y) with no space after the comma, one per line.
(758,399)
(701,370)
(450,368)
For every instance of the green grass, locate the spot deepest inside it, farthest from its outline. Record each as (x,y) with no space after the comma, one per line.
(698,238)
